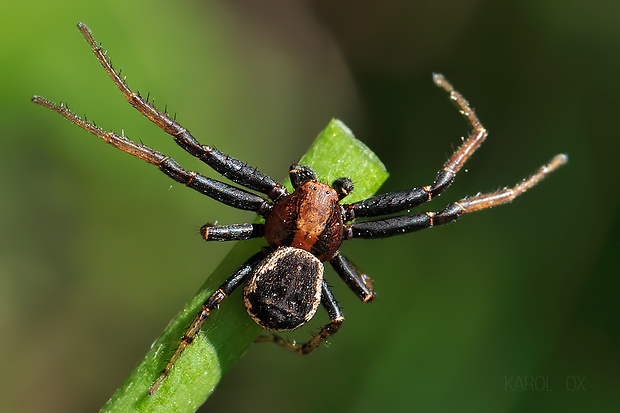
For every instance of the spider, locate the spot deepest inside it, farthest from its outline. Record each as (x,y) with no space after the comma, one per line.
(283,283)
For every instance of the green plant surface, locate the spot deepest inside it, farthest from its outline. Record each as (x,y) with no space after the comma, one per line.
(228,334)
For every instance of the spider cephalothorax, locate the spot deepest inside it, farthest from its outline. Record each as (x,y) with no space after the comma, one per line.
(311,218)
(284,282)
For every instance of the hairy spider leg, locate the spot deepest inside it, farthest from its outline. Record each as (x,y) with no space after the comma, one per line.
(220,191)
(208,306)
(393,202)
(233,169)
(336,318)
(409,223)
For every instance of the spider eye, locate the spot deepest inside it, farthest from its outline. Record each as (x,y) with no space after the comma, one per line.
(343,187)
(300,174)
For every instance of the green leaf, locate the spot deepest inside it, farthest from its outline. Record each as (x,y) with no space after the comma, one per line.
(229,332)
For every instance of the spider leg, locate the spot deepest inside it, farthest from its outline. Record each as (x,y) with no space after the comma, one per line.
(355,279)
(393,202)
(208,306)
(408,223)
(220,191)
(335,315)
(235,232)
(233,169)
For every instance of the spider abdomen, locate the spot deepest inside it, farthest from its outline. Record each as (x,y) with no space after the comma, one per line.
(309,219)
(284,290)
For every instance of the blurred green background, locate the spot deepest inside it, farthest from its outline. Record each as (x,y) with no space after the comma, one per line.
(512,309)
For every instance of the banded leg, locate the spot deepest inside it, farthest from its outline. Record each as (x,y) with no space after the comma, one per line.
(231,168)
(355,279)
(408,223)
(208,306)
(335,315)
(220,191)
(393,202)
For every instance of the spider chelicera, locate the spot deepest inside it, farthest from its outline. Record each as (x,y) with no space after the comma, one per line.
(283,284)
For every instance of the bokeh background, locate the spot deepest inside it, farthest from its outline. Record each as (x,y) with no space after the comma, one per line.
(513,309)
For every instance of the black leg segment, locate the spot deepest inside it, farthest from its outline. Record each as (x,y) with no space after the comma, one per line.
(235,232)
(389,227)
(355,279)
(207,307)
